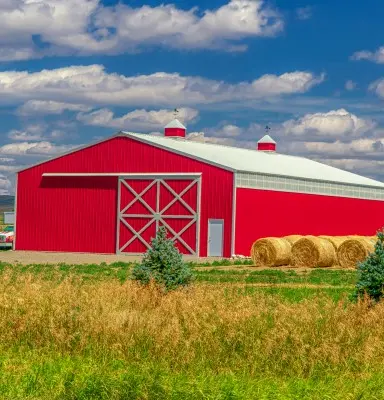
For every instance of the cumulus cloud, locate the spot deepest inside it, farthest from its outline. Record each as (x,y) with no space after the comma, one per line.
(34,28)
(375,56)
(137,119)
(378,87)
(358,147)
(93,85)
(34,148)
(333,124)
(38,132)
(5,185)
(44,107)
(304,13)
(350,85)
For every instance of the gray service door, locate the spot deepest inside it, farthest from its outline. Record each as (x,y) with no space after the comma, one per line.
(215,237)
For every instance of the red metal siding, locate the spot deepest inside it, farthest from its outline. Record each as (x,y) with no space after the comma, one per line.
(64,214)
(266,146)
(79,214)
(176,132)
(261,213)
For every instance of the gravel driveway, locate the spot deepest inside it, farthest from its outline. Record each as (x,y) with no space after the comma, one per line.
(38,257)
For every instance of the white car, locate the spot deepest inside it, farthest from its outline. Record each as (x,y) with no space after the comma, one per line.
(7,235)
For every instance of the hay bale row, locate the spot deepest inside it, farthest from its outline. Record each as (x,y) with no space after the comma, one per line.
(355,250)
(312,251)
(273,251)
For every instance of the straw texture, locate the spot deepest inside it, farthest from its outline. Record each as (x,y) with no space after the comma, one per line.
(312,252)
(336,241)
(292,239)
(355,250)
(271,252)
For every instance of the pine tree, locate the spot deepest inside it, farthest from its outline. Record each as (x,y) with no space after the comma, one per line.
(164,264)
(371,273)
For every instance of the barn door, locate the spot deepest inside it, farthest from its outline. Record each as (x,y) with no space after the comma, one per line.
(145,204)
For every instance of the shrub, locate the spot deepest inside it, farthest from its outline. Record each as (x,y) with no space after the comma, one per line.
(371,273)
(163,264)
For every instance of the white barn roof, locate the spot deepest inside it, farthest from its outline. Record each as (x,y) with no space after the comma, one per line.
(253,161)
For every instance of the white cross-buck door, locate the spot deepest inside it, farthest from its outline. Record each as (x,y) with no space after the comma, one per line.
(146,203)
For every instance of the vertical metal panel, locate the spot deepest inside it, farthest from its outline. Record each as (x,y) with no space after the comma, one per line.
(118,202)
(65,214)
(79,214)
(262,213)
(233,235)
(15,227)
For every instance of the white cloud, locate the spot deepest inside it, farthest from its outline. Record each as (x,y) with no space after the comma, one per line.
(5,185)
(93,85)
(366,147)
(84,27)
(34,148)
(31,132)
(376,56)
(333,124)
(378,87)
(350,85)
(37,132)
(304,13)
(43,107)
(171,27)
(136,120)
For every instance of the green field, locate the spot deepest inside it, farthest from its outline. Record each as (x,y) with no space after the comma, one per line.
(89,332)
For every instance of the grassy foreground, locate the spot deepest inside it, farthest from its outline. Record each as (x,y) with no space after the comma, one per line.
(63,336)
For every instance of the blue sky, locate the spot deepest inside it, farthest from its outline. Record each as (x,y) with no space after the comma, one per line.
(75,71)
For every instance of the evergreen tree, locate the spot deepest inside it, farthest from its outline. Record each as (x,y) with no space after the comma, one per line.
(371,273)
(164,264)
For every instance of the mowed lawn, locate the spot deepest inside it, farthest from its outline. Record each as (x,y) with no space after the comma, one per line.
(89,332)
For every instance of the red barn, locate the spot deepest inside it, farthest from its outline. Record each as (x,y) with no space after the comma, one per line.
(215,200)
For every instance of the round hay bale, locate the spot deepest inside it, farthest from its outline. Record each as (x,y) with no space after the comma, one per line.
(292,239)
(312,252)
(271,252)
(354,250)
(336,241)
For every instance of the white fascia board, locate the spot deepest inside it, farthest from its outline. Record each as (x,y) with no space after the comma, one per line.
(121,174)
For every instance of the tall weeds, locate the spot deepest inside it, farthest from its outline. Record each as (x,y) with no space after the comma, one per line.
(214,328)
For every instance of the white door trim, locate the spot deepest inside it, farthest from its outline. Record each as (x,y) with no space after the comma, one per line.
(159,215)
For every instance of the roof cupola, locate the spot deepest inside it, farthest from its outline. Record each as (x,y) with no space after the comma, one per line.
(175,128)
(266,143)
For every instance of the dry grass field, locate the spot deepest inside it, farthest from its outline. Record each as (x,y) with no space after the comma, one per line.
(89,332)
